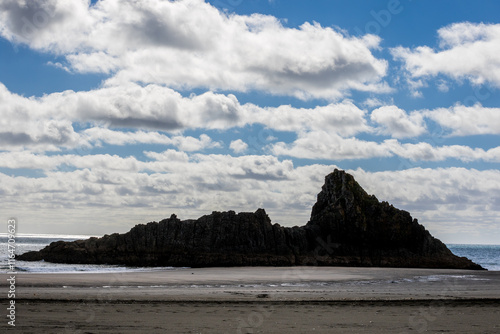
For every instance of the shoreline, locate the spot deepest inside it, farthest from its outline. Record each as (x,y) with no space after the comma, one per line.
(348,302)
(276,283)
(259,300)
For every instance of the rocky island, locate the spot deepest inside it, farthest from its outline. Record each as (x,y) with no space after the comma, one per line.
(347,227)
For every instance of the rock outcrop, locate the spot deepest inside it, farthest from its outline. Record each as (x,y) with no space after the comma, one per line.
(348,227)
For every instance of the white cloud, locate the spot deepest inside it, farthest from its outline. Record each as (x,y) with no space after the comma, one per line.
(151,107)
(332,147)
(344,118)
(189,43)
(168,155)
(442,86)
(100,136)
(24,159)
(36,23)
(467,51)
(29,160)
(426,152)
(397,123)
(238,146)
(98,62)
(25,123)
(329,146)
(46,123)
(373,102)
(190,144)
(466,121)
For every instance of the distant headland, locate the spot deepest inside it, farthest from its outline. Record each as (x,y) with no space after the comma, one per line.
(347,227)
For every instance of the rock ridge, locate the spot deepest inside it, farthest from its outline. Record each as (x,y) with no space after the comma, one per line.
(347,227)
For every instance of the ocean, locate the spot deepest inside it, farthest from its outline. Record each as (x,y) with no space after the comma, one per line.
(25,243)
(487,256)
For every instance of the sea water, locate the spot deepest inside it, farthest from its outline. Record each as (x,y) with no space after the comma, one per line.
(487,256)
(27,242)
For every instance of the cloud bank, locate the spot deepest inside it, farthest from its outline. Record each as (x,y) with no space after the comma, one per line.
(167,131)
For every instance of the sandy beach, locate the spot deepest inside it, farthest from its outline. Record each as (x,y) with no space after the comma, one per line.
(258,300)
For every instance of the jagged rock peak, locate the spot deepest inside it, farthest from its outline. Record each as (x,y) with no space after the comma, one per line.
(339,186)
(376,232)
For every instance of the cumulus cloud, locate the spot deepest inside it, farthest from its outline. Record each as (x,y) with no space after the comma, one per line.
(373,102)
(190,144)
(238,146)
(329,146)
(460,120)
(189,43)
(24,123)
(343,118)
(36,23)
(99,136)
(46,123)
(397,123)
(467,51)
(426,152)
(151,107)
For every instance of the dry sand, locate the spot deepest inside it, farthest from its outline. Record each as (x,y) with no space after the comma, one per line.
(258,300)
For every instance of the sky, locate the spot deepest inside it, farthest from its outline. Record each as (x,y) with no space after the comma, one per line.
(114,113)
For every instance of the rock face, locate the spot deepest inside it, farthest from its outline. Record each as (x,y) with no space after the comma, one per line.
(348,227)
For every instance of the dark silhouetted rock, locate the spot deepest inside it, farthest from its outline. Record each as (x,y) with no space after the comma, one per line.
(348,227)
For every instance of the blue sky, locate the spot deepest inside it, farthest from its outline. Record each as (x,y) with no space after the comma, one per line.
(121,112)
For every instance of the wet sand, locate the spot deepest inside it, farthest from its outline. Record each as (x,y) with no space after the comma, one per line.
(259,300)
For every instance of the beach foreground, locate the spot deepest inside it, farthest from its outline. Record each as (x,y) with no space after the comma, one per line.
(259,300)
